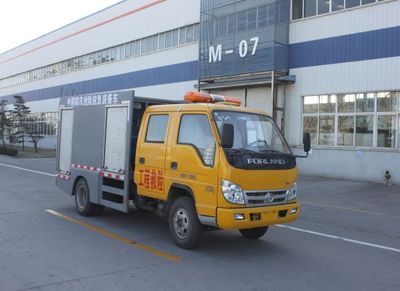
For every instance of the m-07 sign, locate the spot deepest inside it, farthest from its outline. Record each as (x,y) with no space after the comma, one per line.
(244,49)
(238,38)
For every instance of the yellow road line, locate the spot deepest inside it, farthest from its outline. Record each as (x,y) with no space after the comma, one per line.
(117,237)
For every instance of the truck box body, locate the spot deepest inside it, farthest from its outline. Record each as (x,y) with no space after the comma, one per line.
(97,141)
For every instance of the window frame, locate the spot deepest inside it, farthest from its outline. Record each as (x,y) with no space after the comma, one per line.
(193,145)
(374,113)
(148,124)
(331,8)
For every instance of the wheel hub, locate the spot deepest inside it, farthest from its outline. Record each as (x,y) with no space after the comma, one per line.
(181,223)
(81,197)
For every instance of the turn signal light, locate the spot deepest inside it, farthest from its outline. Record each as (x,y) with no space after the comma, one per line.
(193,96)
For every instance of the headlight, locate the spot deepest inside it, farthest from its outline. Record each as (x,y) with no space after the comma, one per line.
(232,192)
(292,192)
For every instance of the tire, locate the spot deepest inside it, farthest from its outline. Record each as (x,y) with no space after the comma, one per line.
(184,225)
(82,199)
(253,233)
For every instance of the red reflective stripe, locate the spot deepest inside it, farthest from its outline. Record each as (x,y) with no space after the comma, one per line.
(64,177)
(86,29)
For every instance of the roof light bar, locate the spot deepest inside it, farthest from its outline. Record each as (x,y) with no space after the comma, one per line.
(199,97)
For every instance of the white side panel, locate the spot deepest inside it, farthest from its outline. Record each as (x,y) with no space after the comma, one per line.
(364,18)
(115,151)
(67,120)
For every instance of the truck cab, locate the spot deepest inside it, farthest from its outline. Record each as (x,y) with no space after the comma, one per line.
(215,165)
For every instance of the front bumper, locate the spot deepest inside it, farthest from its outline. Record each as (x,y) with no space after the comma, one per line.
(257,216)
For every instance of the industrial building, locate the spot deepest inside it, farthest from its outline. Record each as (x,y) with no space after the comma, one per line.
(328,67)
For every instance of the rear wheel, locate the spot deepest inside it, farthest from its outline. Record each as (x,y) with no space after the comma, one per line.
(253,233)
(82,199)
(184,225)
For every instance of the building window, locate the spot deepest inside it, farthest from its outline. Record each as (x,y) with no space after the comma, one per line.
(352,3)
(370,119)
(365,102)
(387,131)
(310,8)
(326,130)
(307,8)
(263,16)
(241,21)
(345,136)
(337,5)
(251,19)
(364,130)
(44,123)
(323,6)
(310,124)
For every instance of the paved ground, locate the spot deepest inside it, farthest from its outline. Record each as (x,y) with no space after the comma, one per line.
(348,238)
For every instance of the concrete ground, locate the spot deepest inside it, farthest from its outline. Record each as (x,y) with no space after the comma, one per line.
(347,238)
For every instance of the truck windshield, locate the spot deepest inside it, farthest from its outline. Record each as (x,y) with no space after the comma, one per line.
(252,132)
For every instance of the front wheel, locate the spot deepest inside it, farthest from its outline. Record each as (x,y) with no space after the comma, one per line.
(184,225)
(253,233)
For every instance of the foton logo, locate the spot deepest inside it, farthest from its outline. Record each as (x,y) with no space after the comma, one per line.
(266,161)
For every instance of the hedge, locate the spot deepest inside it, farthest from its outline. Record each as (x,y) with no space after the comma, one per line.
(8,151)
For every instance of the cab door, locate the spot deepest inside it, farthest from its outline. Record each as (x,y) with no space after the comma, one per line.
(150,155)
(193,159)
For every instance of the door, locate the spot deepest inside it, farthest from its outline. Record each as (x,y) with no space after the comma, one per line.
(116,137)
(115,182)
(193,161)
(150,156)
(65,149)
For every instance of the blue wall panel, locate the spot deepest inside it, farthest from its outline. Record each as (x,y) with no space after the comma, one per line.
(382,43)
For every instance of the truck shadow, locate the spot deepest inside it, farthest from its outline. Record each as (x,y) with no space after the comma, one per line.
(147,228)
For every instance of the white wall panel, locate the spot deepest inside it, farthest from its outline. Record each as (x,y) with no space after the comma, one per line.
(361,165)
(364,18)
(363,76)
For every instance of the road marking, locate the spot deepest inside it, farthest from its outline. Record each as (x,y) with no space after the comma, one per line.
(28,170)
(340,238)
(349,209)
(117,237)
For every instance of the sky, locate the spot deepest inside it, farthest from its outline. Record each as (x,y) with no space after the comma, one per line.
(24,20)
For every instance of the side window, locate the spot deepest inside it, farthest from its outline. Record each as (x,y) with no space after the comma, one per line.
(195,131)
(156,128)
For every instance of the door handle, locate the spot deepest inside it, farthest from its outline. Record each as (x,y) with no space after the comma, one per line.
(142,160)
(174,165)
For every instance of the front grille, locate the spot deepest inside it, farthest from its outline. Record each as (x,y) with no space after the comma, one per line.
(266,197)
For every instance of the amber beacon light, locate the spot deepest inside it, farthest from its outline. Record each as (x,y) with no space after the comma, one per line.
(198,97)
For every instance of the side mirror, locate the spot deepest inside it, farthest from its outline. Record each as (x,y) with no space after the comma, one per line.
(227,136)
(307,142)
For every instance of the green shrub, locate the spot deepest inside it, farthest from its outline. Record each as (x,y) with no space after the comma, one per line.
(8,151)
